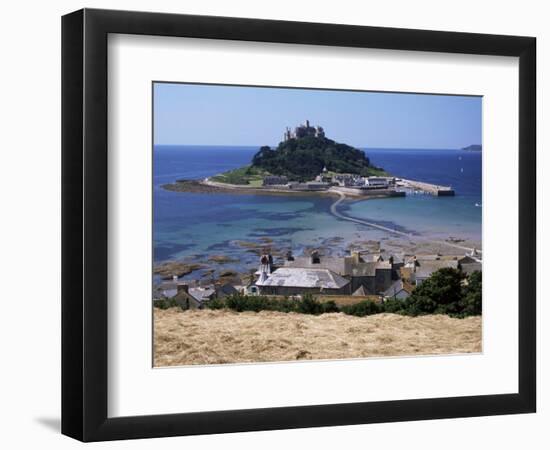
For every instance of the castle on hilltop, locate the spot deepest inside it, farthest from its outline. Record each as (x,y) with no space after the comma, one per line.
(303,130)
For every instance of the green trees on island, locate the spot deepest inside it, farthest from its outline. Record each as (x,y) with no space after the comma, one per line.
(301,159)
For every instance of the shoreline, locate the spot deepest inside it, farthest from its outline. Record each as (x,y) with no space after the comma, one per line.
(206,186)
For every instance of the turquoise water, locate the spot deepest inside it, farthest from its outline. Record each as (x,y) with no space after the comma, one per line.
(195,225)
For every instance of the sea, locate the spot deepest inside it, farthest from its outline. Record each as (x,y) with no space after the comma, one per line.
(196,226)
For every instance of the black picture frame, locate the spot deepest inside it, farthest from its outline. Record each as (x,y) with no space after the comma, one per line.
(84,224)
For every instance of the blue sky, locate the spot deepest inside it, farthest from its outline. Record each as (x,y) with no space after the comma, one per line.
(186,114)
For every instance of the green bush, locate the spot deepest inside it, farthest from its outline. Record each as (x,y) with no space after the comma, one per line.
(394,306)
(443,293)
(166,303)
(239,303)
(308,305)
(330,307)
(361,309)
(216,303)
(470,303)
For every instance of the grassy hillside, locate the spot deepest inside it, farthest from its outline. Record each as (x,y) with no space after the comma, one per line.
(247,175)
(222,336)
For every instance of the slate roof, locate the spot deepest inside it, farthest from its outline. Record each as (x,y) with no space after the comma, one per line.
(165,289)
(226,290)
(306,278)
(425,268)
(366,269)
(371,257)
(363,269)
(467,260)
(397,287)
(201,294)
(360,292)
(334,264)
(470,267)
(428,257)
(398,258)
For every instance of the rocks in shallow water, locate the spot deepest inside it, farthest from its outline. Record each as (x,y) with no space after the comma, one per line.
(364,245)
(454,239)
(221,259)
(247,244)
(253,247)
(233,280)
(170,269)
(228,273)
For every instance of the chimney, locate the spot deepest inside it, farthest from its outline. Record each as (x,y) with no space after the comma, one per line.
(175,278)
(183,287)
(266,262)
(356,256)
(263,277)
(315,258)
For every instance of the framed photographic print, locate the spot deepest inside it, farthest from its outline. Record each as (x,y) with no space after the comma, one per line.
(273,224)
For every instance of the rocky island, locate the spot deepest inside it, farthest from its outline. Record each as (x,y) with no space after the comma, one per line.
(306,161)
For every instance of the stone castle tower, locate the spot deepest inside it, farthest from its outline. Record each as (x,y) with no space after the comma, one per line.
(303,130)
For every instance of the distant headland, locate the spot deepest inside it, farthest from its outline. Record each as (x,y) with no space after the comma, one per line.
(472,148)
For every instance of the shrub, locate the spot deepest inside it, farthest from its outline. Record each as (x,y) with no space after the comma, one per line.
(241,303)
(308,305)
(417,305)
(395,306)
(330,307)
(471,300)
(442,288)
(361,309)
(166,303)
(287,305)
(216,303)
(445,293)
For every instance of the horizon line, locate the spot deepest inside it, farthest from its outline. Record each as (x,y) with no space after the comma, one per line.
(358,147)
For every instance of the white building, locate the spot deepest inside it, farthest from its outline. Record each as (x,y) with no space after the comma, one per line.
(377,182)
(297,281)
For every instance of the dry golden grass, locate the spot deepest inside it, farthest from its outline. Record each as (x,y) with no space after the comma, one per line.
(221,336)
(345,300)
